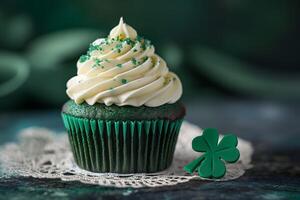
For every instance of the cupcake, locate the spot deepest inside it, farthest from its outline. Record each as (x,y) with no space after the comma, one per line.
(124,113)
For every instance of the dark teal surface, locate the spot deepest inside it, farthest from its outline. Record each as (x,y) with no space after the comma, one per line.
(272,127)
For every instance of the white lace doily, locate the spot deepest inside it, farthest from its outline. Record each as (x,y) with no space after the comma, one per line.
(41,153)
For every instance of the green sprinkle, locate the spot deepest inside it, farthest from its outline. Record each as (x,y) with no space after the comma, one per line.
(93,48)
(98,61)
(83,58)
(123,81)
(119,65)
(174,79)
(129,41)
(119,46)
(145,58)
(133,60)
(111,88)
(134,50)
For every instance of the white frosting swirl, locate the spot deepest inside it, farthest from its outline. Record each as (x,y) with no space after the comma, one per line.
(123,69)
(123,28)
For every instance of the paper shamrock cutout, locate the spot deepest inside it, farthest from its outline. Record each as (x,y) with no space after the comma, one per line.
(211,163)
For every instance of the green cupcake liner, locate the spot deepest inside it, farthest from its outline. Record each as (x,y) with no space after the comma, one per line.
(141,146)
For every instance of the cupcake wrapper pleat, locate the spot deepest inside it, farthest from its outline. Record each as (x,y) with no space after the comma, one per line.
(141,146)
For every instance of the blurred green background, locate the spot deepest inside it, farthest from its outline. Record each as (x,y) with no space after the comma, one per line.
(220,49)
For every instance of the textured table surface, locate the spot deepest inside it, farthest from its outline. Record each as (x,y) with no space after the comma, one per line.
(273,129)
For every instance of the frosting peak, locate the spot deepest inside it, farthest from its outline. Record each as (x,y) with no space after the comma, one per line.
(123,31)
(123,69)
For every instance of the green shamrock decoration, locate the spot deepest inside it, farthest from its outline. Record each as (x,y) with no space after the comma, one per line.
(210,164)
